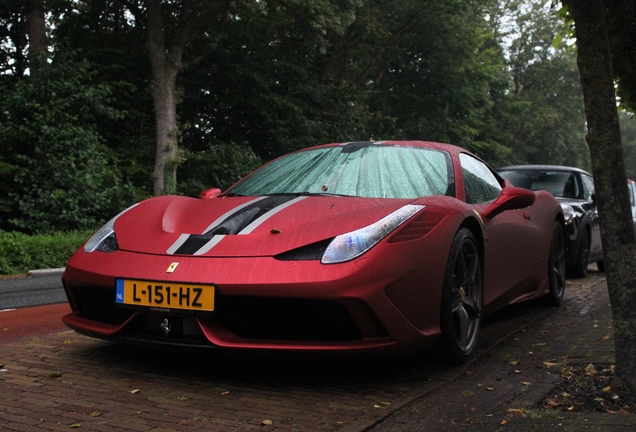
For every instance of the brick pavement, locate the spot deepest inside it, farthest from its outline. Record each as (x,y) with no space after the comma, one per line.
(63,381)
(502,389)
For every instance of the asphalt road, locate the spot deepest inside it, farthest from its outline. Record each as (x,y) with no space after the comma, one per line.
(35,290)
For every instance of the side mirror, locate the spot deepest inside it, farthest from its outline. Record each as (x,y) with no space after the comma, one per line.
(510,198)
(210,193)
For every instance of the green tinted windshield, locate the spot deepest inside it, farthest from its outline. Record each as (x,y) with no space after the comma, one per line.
(373,171)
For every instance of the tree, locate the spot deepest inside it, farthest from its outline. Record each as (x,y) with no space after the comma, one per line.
(604,140)
(540,117)
(63,178)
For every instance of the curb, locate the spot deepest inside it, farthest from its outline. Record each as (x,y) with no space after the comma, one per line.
(46,272)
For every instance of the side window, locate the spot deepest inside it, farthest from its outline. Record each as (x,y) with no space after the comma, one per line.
(588,186)
(480,183)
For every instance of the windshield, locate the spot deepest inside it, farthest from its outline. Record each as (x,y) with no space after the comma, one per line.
(562,184)
(356,169)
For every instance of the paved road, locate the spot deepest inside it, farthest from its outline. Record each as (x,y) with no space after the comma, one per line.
(55,379)
(60,379)
(38,289)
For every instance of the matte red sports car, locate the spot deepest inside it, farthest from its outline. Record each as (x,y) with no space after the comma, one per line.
(356,247)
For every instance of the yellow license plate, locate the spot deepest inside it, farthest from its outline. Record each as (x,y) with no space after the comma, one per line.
(165,295)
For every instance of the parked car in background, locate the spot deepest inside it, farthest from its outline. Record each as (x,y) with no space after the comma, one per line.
(631,190)
(351,247)
(574,189)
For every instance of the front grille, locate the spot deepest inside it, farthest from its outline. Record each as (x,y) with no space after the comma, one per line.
(286,319)
(246,317)
(97,303)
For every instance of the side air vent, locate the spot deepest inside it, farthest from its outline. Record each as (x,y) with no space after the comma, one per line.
(312,251)
(418,227)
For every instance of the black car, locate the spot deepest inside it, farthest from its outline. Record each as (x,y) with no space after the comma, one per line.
(574,189)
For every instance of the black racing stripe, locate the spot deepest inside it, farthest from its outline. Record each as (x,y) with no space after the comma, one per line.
(236,222)
(193,244)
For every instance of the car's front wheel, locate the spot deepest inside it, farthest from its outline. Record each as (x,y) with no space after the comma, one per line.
(579,269)
(461,300)
(556,266)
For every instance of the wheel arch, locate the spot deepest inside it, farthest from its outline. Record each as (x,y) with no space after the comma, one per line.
(474,226)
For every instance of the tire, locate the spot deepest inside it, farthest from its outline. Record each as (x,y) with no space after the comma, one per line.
(460,315)
(600,265)
(556,267)
(579,269)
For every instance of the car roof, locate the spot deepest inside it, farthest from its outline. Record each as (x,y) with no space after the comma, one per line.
(410,143)
(542,168)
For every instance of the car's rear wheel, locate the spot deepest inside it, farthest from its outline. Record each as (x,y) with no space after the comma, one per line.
(461,300)
(600,265)
(556,267)
(579,269)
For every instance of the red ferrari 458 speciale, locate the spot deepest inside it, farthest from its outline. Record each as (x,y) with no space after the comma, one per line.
(352,247)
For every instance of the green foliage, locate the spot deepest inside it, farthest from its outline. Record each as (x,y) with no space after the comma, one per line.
(20,253)
(220,166)
(628,135)
(79,143)
(540,116)
(64,177)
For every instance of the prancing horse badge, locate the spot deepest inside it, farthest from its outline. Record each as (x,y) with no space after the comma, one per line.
(172,267)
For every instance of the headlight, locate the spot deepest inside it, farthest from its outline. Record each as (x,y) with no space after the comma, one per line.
(568,213)
(348,246)
(104,239)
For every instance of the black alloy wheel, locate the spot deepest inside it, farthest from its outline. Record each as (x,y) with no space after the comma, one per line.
(556,267)
(461,300)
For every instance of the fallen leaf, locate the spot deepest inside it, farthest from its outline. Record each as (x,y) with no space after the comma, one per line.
(514,363)
(550,364)
(517,371)
(225,392)
(67,341)
(55,375)
(489,388)
(386,403)
(139,412)
(182,398)
(75,426)
(504,422)
(552,403)
(526,383)
(606,337)
(266,422)
(135,391)
(516,411)
(589,368)
(275,231)
(95,414)
(571,408)
(607,389)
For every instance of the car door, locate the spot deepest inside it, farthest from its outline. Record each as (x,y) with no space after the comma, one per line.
(512,241)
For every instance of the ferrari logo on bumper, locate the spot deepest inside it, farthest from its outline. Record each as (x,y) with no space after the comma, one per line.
(172,267)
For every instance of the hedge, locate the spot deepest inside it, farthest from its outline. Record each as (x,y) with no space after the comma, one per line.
(20,253)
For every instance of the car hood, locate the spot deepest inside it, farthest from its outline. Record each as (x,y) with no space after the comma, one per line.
(243,226)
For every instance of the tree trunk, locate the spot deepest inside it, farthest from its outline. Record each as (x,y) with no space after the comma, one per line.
(610,180)
(165,66)
(36,28)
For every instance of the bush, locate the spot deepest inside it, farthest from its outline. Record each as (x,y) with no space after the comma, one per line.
(20,253)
